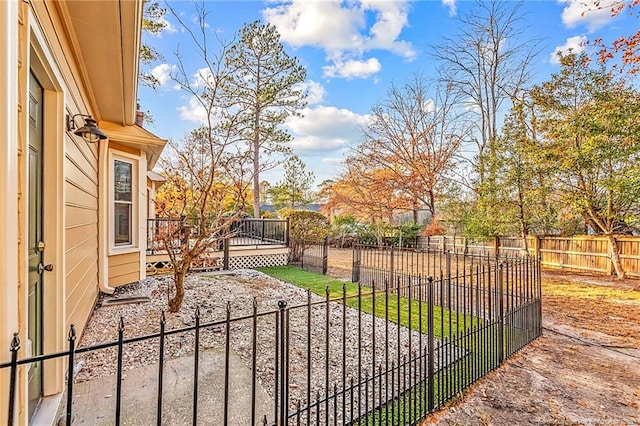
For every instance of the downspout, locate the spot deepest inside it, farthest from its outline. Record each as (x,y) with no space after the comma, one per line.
(103,218)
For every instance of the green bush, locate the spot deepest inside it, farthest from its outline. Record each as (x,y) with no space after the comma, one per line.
(389,235)
(305,227)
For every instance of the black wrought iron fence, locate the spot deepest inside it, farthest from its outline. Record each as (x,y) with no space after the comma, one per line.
(243,232)
(251,231)
(311,256)
(331,360)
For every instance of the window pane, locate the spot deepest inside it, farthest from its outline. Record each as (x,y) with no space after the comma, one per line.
(122,223)
(123,176)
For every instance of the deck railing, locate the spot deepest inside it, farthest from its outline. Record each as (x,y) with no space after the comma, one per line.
(244,232)
(252,232)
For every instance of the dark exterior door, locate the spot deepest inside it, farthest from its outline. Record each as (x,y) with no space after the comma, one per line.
(34,240)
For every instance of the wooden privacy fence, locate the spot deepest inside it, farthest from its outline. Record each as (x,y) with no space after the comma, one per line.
(590,253)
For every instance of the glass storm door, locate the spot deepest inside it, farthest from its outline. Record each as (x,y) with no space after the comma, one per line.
(34,241)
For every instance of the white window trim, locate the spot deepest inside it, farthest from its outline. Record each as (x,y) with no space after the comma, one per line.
(135,203)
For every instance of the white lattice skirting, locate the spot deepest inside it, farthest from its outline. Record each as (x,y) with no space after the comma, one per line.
(259,261)
(235,262)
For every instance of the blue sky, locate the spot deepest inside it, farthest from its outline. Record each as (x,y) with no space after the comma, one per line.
(353,50)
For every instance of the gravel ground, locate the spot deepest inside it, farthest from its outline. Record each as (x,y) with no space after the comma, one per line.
(213,295)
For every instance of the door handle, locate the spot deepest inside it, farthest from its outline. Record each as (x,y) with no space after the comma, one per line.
(42,267)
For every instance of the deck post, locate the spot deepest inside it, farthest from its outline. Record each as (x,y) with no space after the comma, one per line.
(286,235)
(225,259)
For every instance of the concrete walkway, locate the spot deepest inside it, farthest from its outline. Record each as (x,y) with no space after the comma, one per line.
(94,401)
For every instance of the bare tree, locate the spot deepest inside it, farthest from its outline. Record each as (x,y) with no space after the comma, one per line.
(486,63)
(415,138)
(201,169)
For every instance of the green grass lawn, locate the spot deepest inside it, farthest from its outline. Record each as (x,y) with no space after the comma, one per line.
(398,306)
(478,337)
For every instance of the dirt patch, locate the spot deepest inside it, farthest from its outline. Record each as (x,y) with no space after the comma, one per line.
(584,370)
(339,263)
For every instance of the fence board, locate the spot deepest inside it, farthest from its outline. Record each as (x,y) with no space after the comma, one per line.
(589,253)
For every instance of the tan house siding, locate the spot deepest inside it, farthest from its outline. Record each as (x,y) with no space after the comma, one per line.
(57,43)
(124,268)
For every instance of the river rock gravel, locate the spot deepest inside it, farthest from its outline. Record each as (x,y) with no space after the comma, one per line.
(215,296)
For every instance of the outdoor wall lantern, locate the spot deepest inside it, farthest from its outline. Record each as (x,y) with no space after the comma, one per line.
(89,132)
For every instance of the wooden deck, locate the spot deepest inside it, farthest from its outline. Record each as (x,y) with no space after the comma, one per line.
(257,242)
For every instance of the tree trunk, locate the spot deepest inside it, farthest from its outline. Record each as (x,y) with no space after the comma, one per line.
(178,281)
(615,257)
(256,169)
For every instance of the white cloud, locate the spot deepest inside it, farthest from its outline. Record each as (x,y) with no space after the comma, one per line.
(202,77)
(168,26)
(594,14)
(352,68)
(193,111)
(574,44)
(310,144)
(324,24)
(315,91)
(163,73)
(391,18)
(325,129)
(333,161)
(343,29)
(471,105)
(451,5)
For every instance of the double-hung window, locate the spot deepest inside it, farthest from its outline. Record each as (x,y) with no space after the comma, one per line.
(124,201)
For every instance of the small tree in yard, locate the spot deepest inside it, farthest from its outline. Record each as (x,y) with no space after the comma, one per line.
(198,180)
(342,227)
(203,170)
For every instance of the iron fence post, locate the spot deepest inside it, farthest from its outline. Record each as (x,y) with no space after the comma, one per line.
(14,348)
(355,275)
(286,236)
(326,354)
(254,347)
(196,366)
(430,326)
(448,288)
(160,368)
(325,255)
(119,372)
(282,306)
(72,346)
(538,282)
(226,363)
(500,313)
(391,277)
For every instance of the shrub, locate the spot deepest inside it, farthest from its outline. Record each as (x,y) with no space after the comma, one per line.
(305,227)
